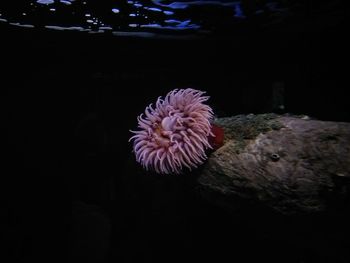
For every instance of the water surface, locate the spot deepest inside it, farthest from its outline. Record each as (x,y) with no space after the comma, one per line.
(146,18)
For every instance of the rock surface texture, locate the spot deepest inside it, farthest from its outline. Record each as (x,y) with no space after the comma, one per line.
(292,165)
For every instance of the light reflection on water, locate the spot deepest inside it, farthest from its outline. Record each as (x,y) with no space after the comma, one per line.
(115,10)
(239,12)
(21,25)
(155,16)
(187,4)
(45,2)
(48,2)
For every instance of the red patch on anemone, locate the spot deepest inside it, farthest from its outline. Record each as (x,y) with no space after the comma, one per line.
(218,140)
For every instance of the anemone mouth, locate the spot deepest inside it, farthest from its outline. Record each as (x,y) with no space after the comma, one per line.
(174,135)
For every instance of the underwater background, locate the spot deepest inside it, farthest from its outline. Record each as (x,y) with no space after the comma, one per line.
(76,74)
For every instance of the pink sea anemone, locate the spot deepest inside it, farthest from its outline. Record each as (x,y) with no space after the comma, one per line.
(174,134)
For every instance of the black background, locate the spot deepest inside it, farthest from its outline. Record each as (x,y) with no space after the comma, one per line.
(68,101)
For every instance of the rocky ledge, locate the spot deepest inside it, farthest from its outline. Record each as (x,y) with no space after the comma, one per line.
(290,164)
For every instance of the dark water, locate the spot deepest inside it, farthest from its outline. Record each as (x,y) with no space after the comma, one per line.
(71,88)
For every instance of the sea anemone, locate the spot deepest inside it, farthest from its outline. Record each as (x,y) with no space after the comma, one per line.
(174,134)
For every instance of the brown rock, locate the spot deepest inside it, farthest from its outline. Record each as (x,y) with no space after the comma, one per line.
(293,165)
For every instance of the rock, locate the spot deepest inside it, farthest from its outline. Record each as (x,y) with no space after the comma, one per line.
(290,164)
